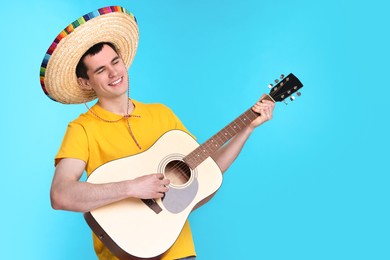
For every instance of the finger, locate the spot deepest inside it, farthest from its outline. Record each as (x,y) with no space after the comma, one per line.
(268,113)
(159,176)
(258,107)
(165,182)
(158,195)
(268,109)
(163,189)
(271,105)
(266,101)
(267,104)
(264,113)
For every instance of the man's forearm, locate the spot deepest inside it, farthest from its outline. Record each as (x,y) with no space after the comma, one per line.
(227,154)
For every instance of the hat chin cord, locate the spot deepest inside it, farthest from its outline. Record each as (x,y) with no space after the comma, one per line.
(126,117)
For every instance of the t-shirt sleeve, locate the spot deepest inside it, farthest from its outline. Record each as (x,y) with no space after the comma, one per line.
(178,123)
(74,145)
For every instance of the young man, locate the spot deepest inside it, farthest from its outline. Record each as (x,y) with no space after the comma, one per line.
(116,126)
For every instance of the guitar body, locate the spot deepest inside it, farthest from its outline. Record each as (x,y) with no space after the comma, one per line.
(134,228)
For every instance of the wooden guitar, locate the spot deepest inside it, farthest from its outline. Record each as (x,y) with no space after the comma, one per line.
(144,229)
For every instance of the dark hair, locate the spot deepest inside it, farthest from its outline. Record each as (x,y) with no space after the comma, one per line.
(81,68)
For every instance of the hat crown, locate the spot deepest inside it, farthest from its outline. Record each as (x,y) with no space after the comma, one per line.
(113,24)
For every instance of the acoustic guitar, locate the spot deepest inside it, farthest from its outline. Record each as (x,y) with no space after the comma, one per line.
(146,228)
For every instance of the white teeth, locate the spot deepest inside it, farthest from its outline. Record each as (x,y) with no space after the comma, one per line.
(116,82)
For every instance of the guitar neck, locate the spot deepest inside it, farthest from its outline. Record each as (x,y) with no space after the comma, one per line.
(284,88)
(205,150)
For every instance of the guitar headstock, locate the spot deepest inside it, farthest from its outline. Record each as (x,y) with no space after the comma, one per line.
(285,87)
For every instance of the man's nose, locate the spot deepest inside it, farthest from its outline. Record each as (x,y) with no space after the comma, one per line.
(112,71)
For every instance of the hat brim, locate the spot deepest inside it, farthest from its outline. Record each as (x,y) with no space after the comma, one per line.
(58,70)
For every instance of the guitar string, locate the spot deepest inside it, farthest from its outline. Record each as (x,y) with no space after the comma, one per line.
(182,167)
(181,164)
(219,143)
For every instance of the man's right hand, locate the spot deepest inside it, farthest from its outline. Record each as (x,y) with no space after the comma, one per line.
(151,186)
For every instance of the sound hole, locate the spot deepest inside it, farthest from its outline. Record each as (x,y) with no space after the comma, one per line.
(177,172)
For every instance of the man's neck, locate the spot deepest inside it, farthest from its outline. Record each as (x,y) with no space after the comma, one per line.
(121,106)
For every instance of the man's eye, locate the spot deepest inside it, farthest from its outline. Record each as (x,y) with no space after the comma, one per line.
(100,71)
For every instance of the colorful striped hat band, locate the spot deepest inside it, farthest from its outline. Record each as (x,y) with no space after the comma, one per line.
(58,69)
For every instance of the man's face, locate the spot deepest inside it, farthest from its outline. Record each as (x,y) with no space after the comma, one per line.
(107,74)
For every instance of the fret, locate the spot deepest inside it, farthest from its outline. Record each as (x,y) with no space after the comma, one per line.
(233,127)
(289,84)
(213,144)
(239,125)
(218,141)
(219,138)
(223,135)
(246,119)
(242,122)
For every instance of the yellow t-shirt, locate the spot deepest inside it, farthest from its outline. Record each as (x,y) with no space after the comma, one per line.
(96,142)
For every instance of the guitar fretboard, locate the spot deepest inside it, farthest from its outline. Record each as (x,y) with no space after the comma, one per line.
(201,153)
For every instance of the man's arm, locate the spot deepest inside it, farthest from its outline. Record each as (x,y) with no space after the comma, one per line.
(69,193)
(226,155)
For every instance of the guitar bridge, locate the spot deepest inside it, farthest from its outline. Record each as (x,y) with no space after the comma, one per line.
(152,204)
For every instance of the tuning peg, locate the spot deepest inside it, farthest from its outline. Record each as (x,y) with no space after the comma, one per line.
(285,102)
(270,86)
(299,94)
(281,76)
(276,81)
(292,98)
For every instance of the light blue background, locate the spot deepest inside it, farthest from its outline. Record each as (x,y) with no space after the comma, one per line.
(311,184)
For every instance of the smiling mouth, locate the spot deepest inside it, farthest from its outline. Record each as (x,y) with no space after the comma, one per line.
(116,82)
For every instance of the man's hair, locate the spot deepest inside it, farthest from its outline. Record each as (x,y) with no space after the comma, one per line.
(81,68)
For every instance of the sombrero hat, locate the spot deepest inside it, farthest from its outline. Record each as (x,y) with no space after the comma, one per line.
(58,69)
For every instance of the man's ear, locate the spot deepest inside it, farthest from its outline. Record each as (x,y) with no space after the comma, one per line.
(83,84)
